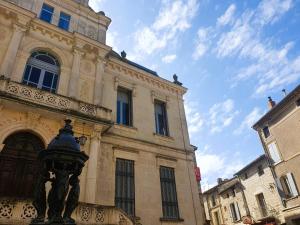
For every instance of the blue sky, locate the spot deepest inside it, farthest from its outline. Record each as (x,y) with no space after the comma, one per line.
(231,55)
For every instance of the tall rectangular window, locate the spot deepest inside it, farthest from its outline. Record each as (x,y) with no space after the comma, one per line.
(168,193)
(266,132)
(161,122)
(124,191)
(64,21)
(260,170)
(46,13)
(274,153)
(235,211)
(124,112)
(262,204)
(289,186)
(217,218)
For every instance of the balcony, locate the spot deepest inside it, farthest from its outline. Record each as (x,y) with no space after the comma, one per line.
(42,99)
(20,212)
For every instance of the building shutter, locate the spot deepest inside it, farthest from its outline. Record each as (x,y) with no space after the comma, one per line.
(274,152)
(280,188)
(237,210)
(292,184)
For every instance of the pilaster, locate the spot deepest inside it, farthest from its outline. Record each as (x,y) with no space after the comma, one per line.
(91,177)
(98,89)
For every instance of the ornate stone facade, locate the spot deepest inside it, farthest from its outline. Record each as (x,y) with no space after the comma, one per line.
(88,76)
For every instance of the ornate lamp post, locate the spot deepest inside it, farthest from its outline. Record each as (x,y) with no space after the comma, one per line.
(61,164)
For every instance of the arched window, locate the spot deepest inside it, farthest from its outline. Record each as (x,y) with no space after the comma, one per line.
(42,71)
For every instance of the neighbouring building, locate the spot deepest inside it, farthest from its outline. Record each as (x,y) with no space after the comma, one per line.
(279,131)
(260,192)
(55,64)
(251,196)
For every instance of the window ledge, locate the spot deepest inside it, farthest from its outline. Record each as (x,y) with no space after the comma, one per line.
(277,163)
(163,137)
(176,220)
(125,128)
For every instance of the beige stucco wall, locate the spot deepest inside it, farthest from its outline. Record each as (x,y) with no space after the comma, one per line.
(77,81)
(284,131)
(264,184)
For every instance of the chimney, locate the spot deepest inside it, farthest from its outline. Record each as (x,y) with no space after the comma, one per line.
(271,103)
(219,180)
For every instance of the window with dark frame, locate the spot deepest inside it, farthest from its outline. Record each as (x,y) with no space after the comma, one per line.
(260,170)
(124,107)
(213,200)
(46,13)
(64,21)
(235,212)
(289,185)
(124,191)
(298,102)
(262,204)
(42,71)
(266,131)
(161,120)
(168,193)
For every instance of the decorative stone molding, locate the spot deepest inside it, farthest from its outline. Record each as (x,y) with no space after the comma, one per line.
(150,79)
(21,212)
(56,102)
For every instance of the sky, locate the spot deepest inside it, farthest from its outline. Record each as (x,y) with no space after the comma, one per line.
(230,54)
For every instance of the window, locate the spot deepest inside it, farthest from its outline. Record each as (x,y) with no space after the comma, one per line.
(213,200)
(124,192)
(42,71)
(161,123)
(64,21)
(168,193)
(235,212)
(273,151)
(298,102)
(124,114)
(246,176)
(289,185)
(260,170)
(266,132)
(217,218)
(46,13)
(262,204)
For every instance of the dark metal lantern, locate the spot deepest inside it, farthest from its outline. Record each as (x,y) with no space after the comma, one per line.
(61,164)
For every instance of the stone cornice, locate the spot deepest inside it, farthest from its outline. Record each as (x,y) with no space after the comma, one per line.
(135,73)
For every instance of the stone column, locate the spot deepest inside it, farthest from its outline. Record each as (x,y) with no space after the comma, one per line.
(100,64)
(75,74)
(13,47)
(91,177)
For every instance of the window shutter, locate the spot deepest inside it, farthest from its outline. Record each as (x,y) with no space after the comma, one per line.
(280,188)
(274,152)
(292,184)
(237,210)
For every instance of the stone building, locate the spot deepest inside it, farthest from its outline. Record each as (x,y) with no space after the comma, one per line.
(55,64)
(250,196)
(279,132)
(260,191)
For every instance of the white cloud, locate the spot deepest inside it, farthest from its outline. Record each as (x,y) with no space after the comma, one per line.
(227,17)
(169,58)
(221,115)
(174,17)
(216,166)
(269,11)
(270,65)
(249,120)
(202,43)
(195,120)
(112,40)
(96,4)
